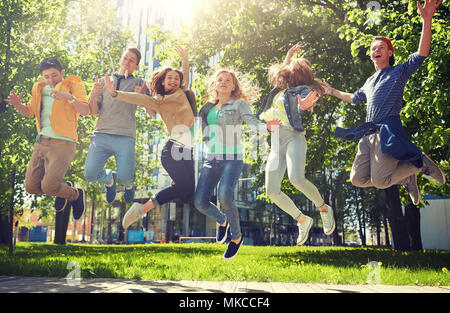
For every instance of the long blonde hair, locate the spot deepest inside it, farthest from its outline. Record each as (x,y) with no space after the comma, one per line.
(298,72)
(244,88)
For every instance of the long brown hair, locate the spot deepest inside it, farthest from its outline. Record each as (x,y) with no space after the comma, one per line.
(298,72)
(156,85)
(244,89)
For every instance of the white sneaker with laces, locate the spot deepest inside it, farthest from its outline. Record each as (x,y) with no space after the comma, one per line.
(410,184)
(132,215)
(328,221)
(303,230)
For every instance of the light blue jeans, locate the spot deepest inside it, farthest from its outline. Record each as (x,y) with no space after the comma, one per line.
(288,152)
(227,172)
(102,147)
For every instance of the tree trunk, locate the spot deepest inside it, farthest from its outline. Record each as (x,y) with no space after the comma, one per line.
(83,237)
(11,213)
(3,228)
(4,220)
(91,232)
(378,232)
(386,231)
(362,236)
(109,226)
(412,216)
(396,219)
(61,224)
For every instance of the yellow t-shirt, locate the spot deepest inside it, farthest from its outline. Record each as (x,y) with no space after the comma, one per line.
(277,110)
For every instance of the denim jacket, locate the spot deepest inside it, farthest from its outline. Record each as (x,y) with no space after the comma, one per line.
(232,113)
(293,112)
(393,138)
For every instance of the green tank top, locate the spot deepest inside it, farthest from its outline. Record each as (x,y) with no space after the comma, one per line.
(215,144)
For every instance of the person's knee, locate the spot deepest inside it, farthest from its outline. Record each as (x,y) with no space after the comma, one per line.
(298,181)
(33,188)
(381,182)
(200,203)
(226,198)
(50,188)
(358,180)
(272,191)
(126,178)
(91,174)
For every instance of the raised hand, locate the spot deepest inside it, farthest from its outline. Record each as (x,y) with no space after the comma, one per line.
(294,49)
(14,99)
(110,86)
(273,124)
(140,89)
(181,52)
(291,52)
(97,89)
(427,11)
(308,103)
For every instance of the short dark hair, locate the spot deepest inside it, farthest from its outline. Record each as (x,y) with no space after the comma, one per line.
(50,63)
(137,53)
(391,60)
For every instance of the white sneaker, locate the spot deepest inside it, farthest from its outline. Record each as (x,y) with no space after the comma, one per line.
(303,230)
(410,184)
(132,215)
(328,221)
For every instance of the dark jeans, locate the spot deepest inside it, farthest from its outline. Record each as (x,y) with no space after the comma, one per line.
(227,172)
(179,164)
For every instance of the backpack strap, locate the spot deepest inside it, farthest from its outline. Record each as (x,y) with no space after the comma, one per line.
(191,98)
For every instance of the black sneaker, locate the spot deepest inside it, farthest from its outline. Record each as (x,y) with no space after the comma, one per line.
(128,194)
(111,191)
(222,233)
(78,205)
(232,250)
(61,203)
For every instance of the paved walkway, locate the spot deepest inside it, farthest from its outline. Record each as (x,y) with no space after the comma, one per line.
(13,284)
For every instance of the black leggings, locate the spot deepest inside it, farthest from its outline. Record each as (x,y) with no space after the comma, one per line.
(179,164)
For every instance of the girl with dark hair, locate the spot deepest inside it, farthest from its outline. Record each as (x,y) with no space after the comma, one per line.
(295,92)
(170,101)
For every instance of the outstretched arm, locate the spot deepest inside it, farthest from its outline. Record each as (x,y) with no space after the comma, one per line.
(15,101)
(427,13)
(96,90)
(131,97)
(184,65)
(291,52)
(347,97)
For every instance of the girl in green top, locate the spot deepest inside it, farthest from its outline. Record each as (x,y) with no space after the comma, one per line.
(222,119)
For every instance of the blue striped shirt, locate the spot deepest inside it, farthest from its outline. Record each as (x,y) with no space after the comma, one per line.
(383,91)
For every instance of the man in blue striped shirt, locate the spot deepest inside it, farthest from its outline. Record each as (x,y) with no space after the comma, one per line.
(385,155)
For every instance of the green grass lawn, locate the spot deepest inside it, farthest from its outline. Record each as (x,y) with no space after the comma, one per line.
(332,265)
